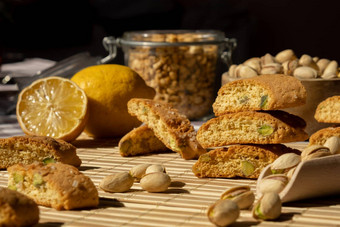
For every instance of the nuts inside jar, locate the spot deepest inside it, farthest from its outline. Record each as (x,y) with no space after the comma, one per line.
(183,76)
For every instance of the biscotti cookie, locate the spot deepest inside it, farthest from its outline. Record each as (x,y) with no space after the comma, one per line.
(246,161)
(56,185)
(29,149)
(270,127)
(320,136)
(16,209)
(328,111)
(265,92)
(140,141)
(172,128)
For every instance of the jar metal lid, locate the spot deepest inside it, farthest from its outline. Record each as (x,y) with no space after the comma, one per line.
(207,37)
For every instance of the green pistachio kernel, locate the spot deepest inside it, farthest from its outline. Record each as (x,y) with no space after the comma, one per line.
(37,180)
(12,187)
(264,102)
(265,130)
(48,160)
(205,158)
(247,168)
(244,99)
(277,171)
(258,213)
(17,177)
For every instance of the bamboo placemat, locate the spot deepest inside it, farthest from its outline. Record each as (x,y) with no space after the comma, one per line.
(183,204)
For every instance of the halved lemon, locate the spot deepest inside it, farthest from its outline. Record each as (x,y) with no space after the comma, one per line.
(53,106)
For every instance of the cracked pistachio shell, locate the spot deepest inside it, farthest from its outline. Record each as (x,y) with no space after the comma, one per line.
(223,212)
(155,182)
(273,183)
(119,182)
(139,170)
(268,207)
(285,162)
(314,151)
(155,168)
(333,143)
(242,195)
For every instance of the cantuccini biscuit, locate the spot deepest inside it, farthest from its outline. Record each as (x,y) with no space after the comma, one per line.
(246,161)
(16,209)
(29,149)
(328,111)
(270,127)
(320,136)
(55,185)
(171,127)
(140,141)
(265,92)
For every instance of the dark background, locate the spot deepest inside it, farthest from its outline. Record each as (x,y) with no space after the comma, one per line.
(56,29)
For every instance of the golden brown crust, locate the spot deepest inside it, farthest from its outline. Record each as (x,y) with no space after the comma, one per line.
(16,209)
(29,149)
(328,111)
(270,127)
(282,91)
(320,136)
(138,141)
(171,127)
(246,161)
(56,185)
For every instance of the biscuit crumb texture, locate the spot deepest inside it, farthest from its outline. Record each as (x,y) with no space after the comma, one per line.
(169,126)
(29,149)
(55,185)
(328,111)
(139,141)
(270,127)
(265,92)
(16,209)
(320,136)
(245,161)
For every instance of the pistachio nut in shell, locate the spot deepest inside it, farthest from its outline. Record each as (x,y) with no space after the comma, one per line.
(242,195)
(223,212)
(285,162)
(268,207)
(314,149)
(254,63)
(290,173)
(139,170)
(285,55)
(155,182)
(305,72)
(273,183)
(322,64)
(333,143)
(315,155)
(155,168)
(119,182)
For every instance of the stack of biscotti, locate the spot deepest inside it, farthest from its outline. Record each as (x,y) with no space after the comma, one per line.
(164,129)
(328,111)
(250,121)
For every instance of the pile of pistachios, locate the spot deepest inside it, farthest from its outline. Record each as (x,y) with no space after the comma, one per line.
(286,62)
(152,178)
(226,210)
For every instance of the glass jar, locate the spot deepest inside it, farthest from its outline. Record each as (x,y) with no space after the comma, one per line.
(181,65)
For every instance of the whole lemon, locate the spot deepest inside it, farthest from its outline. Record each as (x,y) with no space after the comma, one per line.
(108,88)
